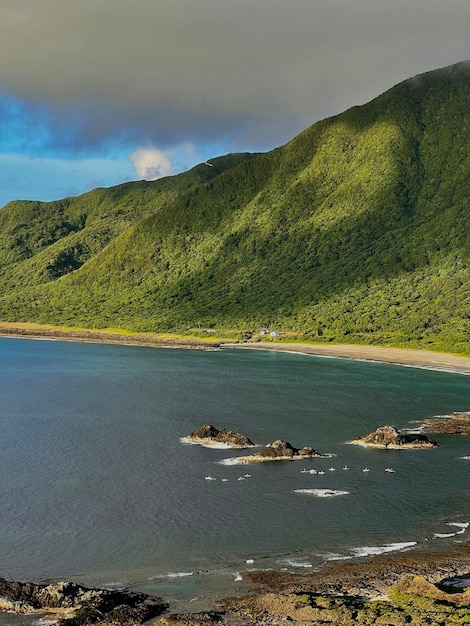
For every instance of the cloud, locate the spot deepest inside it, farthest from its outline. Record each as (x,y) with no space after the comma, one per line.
(151,163)
(249,73)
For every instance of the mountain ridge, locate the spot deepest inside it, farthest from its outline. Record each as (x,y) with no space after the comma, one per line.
(355,230)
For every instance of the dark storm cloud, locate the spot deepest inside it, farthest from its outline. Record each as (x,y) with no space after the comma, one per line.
(253,72)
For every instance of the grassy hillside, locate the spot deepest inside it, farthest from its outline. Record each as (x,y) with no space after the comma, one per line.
(357,230)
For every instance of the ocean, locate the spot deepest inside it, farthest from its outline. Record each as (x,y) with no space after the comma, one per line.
(97,486)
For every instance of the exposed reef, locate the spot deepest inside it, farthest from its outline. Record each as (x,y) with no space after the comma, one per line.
(68,604)
(209,435)
(279,451)
(388,437)
(453,424)
(406,588)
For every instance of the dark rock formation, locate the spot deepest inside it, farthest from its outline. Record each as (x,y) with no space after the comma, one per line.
(208,434)
(74,605)
(280,451)
(390,437)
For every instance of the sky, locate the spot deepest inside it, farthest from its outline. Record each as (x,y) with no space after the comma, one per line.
(94,93)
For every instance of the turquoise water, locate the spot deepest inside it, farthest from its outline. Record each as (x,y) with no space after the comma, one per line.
(97,487)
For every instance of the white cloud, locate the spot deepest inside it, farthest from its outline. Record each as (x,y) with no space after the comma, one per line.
(151,163)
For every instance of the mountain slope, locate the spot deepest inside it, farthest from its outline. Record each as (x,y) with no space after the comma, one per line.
(356,230)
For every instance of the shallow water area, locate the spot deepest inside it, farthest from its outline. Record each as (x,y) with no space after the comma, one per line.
(99,488)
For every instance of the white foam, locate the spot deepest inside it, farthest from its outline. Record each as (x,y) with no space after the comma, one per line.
(462,525)
(376,550)
(231,461)
(323,493)
(298,564)
(238,578)
(249,561)
(172,575)
(466,458)
(333,556)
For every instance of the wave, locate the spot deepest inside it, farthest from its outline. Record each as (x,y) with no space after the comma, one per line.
(171,575)
(333,556)
(231,461)
(322,493)
(465,458)
(296,563)
(462,525)
(376,550)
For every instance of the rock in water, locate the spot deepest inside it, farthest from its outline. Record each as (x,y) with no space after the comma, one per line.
(208,434)
(390,437)
(280,451)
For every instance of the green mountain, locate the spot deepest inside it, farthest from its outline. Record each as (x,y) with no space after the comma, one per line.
(357,230)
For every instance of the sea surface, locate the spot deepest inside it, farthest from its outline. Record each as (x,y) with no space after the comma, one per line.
(97,486)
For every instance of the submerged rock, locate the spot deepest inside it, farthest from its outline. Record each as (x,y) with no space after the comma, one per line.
(453,424)
(391,438)
(210,435)
(74,605)
(280,451)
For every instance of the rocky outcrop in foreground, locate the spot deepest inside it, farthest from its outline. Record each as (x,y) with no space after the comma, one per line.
(208,435)
(69,604)
(406,588)
(453,424)
(279,451)
(390,438)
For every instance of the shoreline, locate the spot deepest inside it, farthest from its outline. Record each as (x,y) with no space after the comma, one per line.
(366,575)
(424,359)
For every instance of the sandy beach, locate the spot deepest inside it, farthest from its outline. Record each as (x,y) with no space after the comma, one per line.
(276,593)
(399,356)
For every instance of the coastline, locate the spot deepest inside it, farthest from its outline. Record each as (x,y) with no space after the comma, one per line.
(367,576)
(425,359)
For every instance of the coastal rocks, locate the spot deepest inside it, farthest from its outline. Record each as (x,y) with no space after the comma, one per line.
(279,451)
(453,424)
(408,589)
(208,435)
(390,438)
(73,605)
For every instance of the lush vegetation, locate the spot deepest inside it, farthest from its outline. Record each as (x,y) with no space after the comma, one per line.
(357,230)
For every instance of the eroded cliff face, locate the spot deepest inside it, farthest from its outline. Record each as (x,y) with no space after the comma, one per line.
(390,437)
